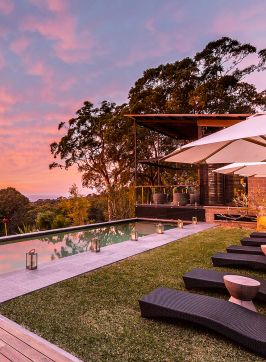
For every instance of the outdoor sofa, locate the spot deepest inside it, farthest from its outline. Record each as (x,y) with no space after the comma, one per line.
(239,260)
(239,324)
(211,279)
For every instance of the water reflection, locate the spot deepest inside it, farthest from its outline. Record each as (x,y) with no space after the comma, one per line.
(57,246)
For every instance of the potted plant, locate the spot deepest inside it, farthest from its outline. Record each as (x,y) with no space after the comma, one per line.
(180,196)
(158,196)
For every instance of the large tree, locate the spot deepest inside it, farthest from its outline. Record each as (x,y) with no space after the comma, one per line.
(99,142)
(14,207)
(213,81)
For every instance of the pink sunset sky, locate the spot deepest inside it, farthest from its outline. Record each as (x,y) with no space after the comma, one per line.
(55,54)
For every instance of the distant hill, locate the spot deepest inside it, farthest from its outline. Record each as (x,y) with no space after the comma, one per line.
(33,198)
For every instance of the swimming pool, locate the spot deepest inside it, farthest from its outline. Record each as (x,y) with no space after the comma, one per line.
(58,245)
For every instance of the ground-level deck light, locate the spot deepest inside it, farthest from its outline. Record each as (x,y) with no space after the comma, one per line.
(194,220)
(31,260)
(95,245)
(134,235)
(180,224)
(5,222)
(160,228)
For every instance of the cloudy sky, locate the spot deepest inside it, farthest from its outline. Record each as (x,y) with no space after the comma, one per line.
(57,53)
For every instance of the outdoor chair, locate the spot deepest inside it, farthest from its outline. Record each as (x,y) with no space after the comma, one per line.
(239,324)
(253,241)
(242,249)
(239,260)
(211,279)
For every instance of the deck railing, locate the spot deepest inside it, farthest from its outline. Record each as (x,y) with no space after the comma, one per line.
(151,194)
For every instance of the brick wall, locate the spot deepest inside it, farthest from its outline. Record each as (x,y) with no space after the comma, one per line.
(257,188)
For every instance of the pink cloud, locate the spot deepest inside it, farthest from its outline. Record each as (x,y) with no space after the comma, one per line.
(7,99)
(247,21)
(70,45)
(6,7)
(19,45)
(2,61)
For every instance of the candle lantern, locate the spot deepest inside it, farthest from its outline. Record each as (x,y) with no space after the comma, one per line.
(180,224)
(194,220)
(31,260)
(134,235)
(95,245)
(160,228)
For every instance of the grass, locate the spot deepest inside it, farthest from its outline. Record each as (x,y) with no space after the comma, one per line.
(96,316)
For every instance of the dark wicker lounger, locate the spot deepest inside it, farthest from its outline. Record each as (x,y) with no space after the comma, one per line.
(211,279)
(239,260)
(257,234)
(242,249)
(232,321)
(253,241)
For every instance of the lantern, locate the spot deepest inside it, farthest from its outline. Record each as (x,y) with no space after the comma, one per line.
(95,245)
(31,260)
(180,224)
(160,228)
(134,235)
(194,220)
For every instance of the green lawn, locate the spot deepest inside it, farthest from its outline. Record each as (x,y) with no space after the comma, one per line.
(97,317)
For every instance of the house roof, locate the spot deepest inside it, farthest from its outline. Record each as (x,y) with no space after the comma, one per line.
(185,126)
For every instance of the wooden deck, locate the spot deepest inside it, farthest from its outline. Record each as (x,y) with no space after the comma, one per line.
(19,345)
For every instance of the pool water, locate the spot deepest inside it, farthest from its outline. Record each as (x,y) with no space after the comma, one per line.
(60,245)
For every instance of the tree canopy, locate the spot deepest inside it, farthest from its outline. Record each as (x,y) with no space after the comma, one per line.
(213,81)
(13,206)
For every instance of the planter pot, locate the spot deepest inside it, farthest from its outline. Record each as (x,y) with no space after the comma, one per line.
(194,197)
(180,199)
(158,198)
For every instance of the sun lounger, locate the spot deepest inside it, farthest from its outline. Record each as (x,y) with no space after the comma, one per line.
(253,241)
(211,279)
(239,324)
(239,260)
(242,249)
(257,234)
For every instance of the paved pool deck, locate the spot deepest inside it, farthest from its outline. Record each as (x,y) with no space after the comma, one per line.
(20,282)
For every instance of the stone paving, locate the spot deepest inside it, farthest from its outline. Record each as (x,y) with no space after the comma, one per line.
(20,282)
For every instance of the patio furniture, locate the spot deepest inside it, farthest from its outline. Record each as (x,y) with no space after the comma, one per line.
(257,234)
(239,324)
(211,279)
(253,241)
(241,249)
(242,290)
(239,260)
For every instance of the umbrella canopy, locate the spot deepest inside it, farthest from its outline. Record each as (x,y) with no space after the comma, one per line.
(257,169)
(242,142)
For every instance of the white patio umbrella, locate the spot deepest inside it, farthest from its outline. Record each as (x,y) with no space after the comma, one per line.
(256,169)
(242,142)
